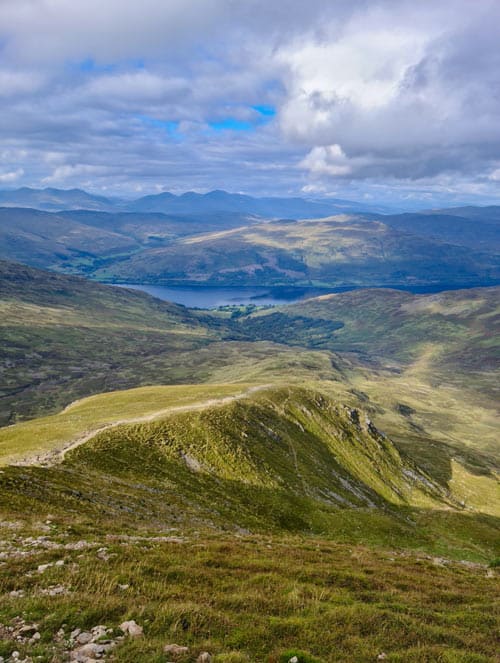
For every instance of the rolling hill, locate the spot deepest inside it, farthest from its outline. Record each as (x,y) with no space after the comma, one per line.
(336,251)
(53,200)
(50,240)
(222,239)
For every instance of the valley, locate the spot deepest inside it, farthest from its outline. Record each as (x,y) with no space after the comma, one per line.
(249,331)
(317,480)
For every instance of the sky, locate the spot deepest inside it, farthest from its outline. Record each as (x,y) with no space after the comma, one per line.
(374,100)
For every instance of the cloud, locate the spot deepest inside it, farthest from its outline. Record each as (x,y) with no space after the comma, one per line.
(358,97)
(7,178)
(402,96)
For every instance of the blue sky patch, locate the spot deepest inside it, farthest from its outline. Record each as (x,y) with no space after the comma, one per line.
(267,111)
(231,124)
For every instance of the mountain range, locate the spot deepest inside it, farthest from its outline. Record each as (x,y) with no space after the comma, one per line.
(56,200)
(230,239)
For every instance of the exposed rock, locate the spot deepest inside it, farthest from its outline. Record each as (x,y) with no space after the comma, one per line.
(84,638)
(132,628)
(294,659)
(175,650)
(91,651)
(204,657)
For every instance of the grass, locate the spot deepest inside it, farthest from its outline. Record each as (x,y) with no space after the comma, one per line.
(257,598)
(48,433)
(280,460)
(276,526)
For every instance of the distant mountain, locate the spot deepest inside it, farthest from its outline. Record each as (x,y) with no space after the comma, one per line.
(190,203)
(487,214)
(474,227)
(53,200)
(221,201)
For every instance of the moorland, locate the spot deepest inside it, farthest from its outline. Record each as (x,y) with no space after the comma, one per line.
(315,482)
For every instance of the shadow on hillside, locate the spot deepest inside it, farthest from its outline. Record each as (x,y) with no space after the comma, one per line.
(89,501)
(436,457)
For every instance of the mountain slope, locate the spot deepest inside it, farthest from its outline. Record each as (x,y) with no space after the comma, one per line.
(256,530)
(479,231)
(335,251)
(425,366)
(283,439)
(50,199)
(63,337)
(49,240)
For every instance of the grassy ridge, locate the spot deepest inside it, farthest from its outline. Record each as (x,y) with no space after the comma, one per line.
(281,460)
(44,434)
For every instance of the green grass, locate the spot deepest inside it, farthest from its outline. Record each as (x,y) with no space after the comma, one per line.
(47,433)
(290,527)
(258,599)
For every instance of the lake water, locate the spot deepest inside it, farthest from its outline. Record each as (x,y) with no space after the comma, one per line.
(208,297)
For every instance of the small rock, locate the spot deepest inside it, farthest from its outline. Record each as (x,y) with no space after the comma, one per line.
(28,628)
(103,555)
(43,567)
(175,650)
(123,587)
(99,632)
(84,638)
(60,562)
(74,633)
(205,657)
(89,651)
(382,656)
(132,628)
(294,659)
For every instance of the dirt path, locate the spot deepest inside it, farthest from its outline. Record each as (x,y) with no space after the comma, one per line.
(55,456)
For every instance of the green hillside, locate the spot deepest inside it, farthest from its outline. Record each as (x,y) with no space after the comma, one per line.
(333,251)
(43,239)
(242,499)
(255,530)
(63,337)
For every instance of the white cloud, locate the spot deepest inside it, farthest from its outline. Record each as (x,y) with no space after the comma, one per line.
(12,176)
(376,91)
(326,160)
